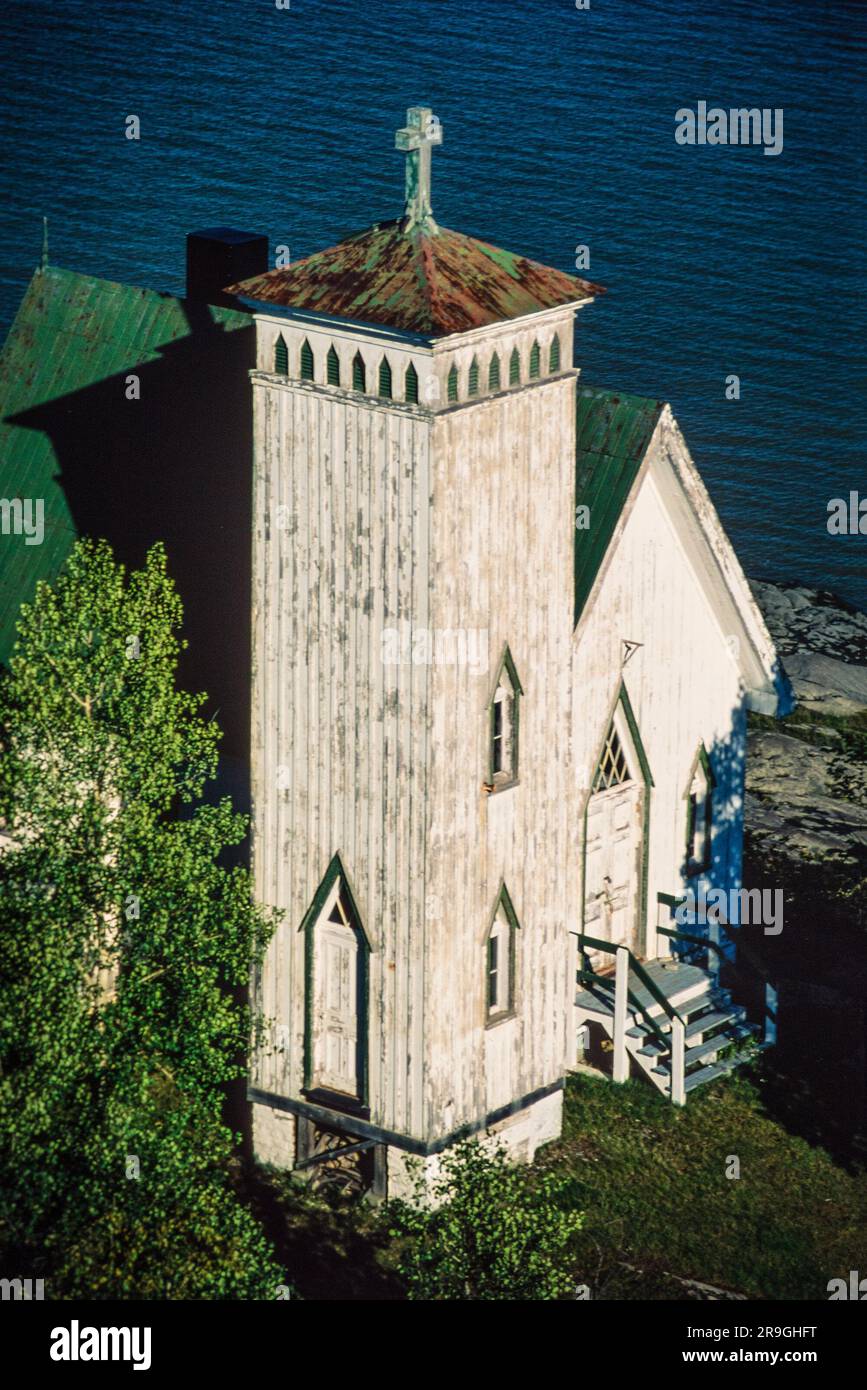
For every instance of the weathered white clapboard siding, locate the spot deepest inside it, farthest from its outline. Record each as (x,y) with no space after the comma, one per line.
(502,557)
(339,739)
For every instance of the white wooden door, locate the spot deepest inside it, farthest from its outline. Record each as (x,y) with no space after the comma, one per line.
(613,851)
(335,1013)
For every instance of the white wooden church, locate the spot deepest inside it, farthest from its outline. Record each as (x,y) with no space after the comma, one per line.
(503,654)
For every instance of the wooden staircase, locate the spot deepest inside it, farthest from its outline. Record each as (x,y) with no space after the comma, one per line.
(668,1017)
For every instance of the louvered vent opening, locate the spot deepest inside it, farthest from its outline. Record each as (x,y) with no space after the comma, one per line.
(333,367)
(385,378)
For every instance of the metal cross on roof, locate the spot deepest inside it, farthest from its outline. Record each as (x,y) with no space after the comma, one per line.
(421,132)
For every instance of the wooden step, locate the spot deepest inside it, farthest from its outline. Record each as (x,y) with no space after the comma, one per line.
(736,1013)
(711,1073)
(716,1021)
(706,1049)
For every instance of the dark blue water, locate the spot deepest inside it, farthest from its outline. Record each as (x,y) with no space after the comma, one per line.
(559,129)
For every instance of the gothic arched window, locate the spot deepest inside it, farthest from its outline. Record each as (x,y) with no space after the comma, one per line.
(452,383)
(332,363)
(306,361)
(699,814)
(359,375)
(500,959)
(554,355)
(281,356)
(534,360)
(494,374)
(503,714)
(514,368)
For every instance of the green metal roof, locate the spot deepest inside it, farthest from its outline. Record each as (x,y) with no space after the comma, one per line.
(71,332)
(613,432)
(406,277)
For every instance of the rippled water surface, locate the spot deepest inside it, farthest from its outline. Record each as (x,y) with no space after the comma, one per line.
(559,130)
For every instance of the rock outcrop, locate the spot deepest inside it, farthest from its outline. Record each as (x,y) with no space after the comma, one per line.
(807,775)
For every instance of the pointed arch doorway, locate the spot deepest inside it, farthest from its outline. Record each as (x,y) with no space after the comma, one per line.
(616,823)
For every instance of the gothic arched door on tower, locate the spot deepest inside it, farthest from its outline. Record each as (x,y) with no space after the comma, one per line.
(336,994)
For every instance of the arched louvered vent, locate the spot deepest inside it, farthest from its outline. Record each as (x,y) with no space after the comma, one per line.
(385,378)
(411,385)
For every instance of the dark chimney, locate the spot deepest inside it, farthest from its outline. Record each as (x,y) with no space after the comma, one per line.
(220,256)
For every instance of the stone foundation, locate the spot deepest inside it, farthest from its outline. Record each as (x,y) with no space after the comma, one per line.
(274,1136)
(521,1135)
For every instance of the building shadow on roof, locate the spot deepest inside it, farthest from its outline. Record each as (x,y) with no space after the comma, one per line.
(176,466)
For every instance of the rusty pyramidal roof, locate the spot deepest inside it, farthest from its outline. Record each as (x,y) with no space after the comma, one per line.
(411,274)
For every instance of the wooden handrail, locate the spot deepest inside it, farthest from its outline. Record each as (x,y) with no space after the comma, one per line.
(588,976)
(596,945)
(734,936)
(654,989)
(673,1044)
(705,942)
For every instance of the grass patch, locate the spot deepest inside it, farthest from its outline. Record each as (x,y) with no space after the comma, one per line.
(651,1180)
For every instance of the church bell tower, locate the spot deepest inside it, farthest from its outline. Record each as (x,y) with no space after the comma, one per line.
(414,406)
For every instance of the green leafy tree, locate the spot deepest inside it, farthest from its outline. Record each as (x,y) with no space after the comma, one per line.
(486,1230)
(126,946)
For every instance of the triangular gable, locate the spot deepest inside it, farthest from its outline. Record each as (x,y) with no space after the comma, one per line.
(614,454)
